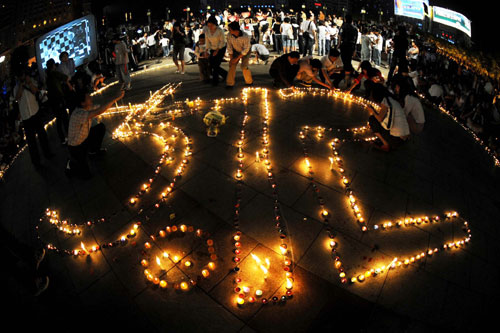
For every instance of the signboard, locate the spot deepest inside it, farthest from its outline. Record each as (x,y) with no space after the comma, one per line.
(452,19)
(77,37)
(410,8)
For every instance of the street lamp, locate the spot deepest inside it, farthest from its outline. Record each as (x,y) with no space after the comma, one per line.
(187,14)
(381,14)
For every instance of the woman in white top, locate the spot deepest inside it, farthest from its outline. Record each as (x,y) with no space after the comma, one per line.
(412,107)
(389,122)
(216,47)
(286,35)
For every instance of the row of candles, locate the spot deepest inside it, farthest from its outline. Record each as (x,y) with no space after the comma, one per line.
(154,272)
(242,290)
(305,136)
(131,126)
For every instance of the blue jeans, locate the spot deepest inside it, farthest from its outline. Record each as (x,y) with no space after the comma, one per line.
(166,51)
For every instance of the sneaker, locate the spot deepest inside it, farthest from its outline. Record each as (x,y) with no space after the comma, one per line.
(39,256)
(182,72)
(41,284)
(65,142)
(177,72)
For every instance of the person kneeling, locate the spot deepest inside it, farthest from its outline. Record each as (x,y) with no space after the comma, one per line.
(389,123)
(82,138)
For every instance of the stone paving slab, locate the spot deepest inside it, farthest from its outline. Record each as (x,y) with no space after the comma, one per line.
(437,171)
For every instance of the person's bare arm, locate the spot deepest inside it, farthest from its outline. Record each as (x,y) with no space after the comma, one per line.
(380,116)
(106,106)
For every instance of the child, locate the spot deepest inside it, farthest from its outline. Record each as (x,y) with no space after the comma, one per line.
(202,55)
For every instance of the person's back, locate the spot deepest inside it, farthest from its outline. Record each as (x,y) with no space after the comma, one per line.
(399,124)
(349,33)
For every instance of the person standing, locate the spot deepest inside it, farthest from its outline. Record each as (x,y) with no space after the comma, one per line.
(179,38)
(322,32)
(67,65)
(400,43)
(216,46)
(277,40)
(24,93)
(286,35)
(84,138)
(348,38)
(55,82)
(309,35)
(121,63)
(238,47)
(164,42)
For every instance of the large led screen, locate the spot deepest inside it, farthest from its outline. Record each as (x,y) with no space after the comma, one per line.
(452,19)
(410,8)
(77,37)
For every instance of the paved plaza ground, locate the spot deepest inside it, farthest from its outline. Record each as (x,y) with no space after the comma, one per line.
(438,171)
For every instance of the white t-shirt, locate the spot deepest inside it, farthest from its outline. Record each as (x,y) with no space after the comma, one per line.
(151,41)
(285,27)
(400,126)
(321,32)
(414,107)
(414,76)
(380,43)
(28,106)
(260,49)
(436,90)
(247,28)
(329,65)
(164,42)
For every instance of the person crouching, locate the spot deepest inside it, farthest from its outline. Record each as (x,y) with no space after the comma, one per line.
(238,47)
(84,138)
(388,123)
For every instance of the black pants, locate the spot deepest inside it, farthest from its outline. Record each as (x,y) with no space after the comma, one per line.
(335,78)
(278,43)
(215,62)
(308,45)
(399,61)
(62,121)
(78,154)
(289,76)
(33,127)
(346,52)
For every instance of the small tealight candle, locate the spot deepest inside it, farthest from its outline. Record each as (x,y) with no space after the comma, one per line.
(163,284)
(211,265)
(184,286)
(147,245)
(144,263)
(205,273)
(258,293)
(188,263)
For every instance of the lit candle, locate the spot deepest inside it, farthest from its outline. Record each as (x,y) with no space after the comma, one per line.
(184,286)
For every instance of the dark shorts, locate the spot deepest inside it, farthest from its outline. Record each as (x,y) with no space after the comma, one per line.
(179,52)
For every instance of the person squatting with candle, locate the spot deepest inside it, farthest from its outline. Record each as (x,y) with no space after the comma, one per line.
(284,69)
(389,123)
(238,48)
(216,46)
(84,138)
(201,53)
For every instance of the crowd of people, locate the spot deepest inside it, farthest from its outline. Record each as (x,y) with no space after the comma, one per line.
(305,49)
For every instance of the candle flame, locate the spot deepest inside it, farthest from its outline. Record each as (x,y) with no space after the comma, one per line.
(83,247)
(258,261)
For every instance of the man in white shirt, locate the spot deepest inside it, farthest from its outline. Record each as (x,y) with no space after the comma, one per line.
(151,42)
(121,63)
(333,68)
(308,28)
(377,48)
(435,93)
(24,93)
(238,48)
(261,52)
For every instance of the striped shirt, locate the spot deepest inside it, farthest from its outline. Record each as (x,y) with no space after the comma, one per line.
(79,127)
(239,44)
